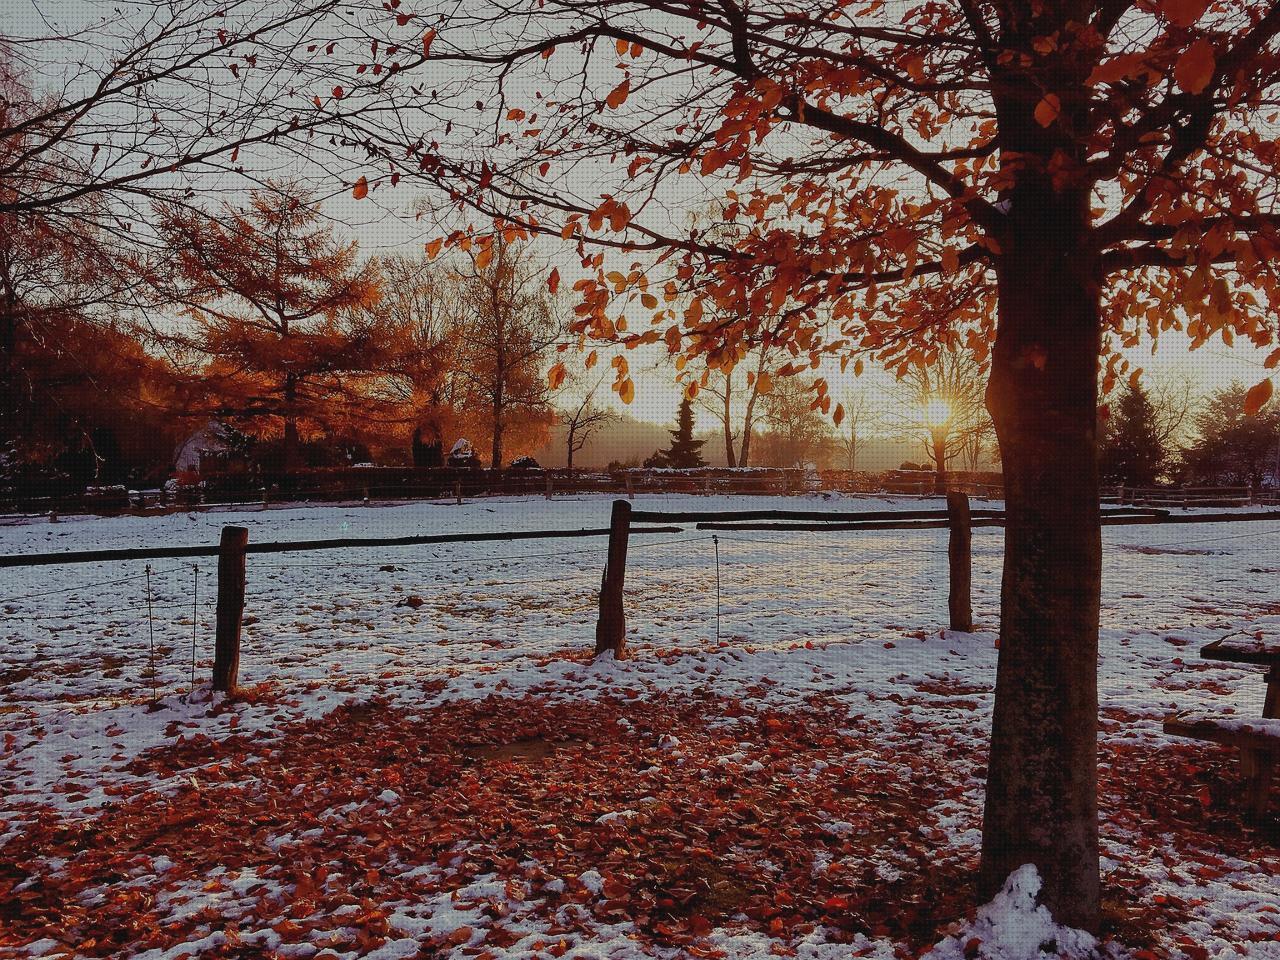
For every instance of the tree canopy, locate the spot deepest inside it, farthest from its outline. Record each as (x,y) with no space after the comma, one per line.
(867,161)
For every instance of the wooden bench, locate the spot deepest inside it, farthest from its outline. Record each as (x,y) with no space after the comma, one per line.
(1259,743)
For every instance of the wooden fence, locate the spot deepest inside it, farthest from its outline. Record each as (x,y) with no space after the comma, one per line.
(959,518)
(382,484)
(1190,496)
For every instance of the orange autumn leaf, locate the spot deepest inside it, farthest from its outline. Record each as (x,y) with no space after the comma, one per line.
(556,376)
(1047,109)
(627,391)
(1183,13)
(483,256)
(618,95)
(1257,398)
(950,260)
(553,281)
(427,39)
(1194,68)
(361,189)
(433,247)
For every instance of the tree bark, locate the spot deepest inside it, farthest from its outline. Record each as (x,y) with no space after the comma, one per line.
(1041,800)
(748,426)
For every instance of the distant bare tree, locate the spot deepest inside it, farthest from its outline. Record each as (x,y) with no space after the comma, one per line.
(859,418)
(1173,399)
(581,417)
(797,434)
(733,394)
(944,406)
(508,326)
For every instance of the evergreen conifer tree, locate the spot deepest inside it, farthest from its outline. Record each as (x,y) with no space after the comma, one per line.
(685,452)
(1131,451)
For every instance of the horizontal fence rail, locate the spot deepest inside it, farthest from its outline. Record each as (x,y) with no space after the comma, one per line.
(160,553)
(1107,519)
(826,519)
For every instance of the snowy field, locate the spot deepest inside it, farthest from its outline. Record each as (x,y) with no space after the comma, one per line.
(816,631)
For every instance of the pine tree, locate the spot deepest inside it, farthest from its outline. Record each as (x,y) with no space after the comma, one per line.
(1132,452)
(685,452)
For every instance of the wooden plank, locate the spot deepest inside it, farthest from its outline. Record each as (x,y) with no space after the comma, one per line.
(939,521)
(149,553)
(1212,730)
(1254,652)
(819,516)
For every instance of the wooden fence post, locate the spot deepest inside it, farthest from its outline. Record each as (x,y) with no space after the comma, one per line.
(548,486)
(612,626)
(230,612)
(631,493)
(457,491)
(959,553)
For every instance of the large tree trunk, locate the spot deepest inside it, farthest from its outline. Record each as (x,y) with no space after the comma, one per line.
(1041,802)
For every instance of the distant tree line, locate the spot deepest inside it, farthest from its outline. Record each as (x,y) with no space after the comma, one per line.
(258,324)
(1142,438)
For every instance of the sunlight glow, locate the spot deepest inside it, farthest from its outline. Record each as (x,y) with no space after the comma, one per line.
(937,412)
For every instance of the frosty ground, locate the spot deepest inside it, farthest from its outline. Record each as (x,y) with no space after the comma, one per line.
(426,762)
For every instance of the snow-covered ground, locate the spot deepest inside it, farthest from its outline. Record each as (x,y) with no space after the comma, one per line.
(850,617)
